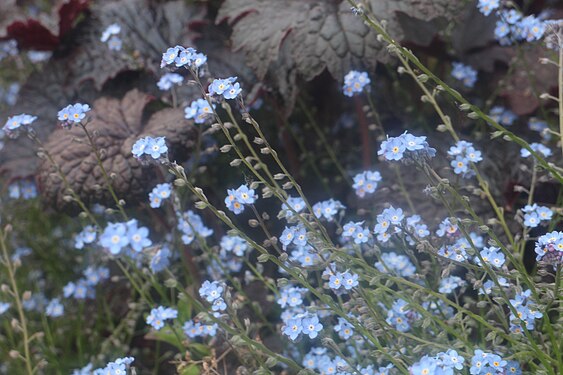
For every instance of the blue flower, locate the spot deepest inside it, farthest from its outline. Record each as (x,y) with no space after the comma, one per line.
(354,82)
(138,237)
(153,147)
(73,113)
(327,209)
(236,199)
(218,305)
(191,224)
(531,28)
(538,148)
(156,147)
(199,110)
(452,359)
(425,366)
(233,91)
(225,87)
(292,328)
(159,315)
(502,115)
(349,280)
(399,264)
(449,284)
(160,193)
(295,203)
(54,309)
(185,57)
(211,290)
(392,149)
(344,329)
(366,182)
(487,6)
(460,165)
(4,306)
(87,236)
(234,244)
(491,255)
(168,80)
(549,248)
(335,281)
(464,73)
(15,123)
(160,260)
(356,231)
(531,220)
(311,326)
(406,148)
(114,237)
(170,55)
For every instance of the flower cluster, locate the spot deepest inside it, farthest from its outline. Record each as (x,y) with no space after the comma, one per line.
(355,231)
(346,279)
(536,147)
(211,292)
(327,209)
(487,363)
(366,182)
(492,256)
(8,48)
(183,57)
(534,214)
(400,316)
(168,80)
(354,82)
(463,153)
(306,323)
(388,222)
(110,36)
(72,114)
(86,236)
(441,363)
(487,6)
(160,260)
(512,27)
(296,204)
(464,73)
(194,329)
(15,124)
(237,198)
(22,189)
(199,110)
(159,315)
(84,287)
(450,284)
(54,308)
(191,226)
(159,193)
(526,312)
(397,264)
(502,115)
(117,367)
(149,146)
(117,236)
(229,88)
(406,147)
(549,248)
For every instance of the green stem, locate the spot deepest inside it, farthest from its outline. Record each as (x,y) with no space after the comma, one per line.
(19,306)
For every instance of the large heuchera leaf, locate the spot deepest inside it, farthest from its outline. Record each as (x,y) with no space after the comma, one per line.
(116,124)
(41,34)
(316,35)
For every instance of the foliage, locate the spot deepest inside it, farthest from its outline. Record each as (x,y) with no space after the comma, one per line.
(293,187)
